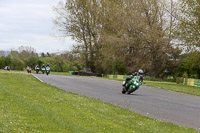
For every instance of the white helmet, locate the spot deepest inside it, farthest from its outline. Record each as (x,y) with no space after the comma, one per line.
(140,71)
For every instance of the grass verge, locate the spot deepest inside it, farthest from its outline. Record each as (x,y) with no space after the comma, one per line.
(174,87)
(27,105)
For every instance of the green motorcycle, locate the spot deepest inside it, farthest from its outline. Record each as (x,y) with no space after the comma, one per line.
(132,85)
(47,70)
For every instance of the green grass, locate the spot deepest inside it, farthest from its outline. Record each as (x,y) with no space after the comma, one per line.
(27,105)
(174,87)
(2,70)
(61,73)
(33,71)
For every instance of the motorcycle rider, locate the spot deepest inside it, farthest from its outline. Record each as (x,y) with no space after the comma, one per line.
(48,68)
(43,68)
(48,65)
(139,74)
(28,69)
(37,68)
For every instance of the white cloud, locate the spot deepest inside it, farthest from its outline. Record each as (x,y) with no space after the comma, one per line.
(40,42)
(29,23)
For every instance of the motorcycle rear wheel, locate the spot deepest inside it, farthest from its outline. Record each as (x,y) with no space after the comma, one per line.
(123,90)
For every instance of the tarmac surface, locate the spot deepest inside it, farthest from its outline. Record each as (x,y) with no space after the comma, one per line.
(178,108)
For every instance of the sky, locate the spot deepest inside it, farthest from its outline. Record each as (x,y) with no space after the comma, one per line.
(30,23)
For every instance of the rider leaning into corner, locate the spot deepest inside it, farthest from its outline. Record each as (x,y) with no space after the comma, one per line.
(139,74)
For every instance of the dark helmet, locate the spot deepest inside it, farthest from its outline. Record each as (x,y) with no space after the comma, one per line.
(140,71)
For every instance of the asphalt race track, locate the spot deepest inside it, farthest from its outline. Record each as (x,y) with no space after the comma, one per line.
(164,105)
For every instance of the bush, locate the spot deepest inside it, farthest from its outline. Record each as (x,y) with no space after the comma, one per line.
(185,75)
(179,80)
(66,67)
(18,64)
(2,62)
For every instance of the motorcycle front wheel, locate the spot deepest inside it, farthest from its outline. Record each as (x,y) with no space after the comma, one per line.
(130,90)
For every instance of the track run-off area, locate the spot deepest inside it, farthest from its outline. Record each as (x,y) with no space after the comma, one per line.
(178,108)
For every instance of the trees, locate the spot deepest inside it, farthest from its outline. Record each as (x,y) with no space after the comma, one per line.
(26,56)
(157,46)
(189,26)
(23,56)
(81,20)
(31,61)
(188,31)
(17,64)
(2,63)
(190,64)
(26,52)
(136,32)
(8,61)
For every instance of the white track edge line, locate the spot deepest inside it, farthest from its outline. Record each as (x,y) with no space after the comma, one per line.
(37,78)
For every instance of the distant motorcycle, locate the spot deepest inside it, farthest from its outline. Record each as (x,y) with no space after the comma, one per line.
(132,85)
(37,69)
(28,69)
(7,68)
(43,70)
(47,70)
